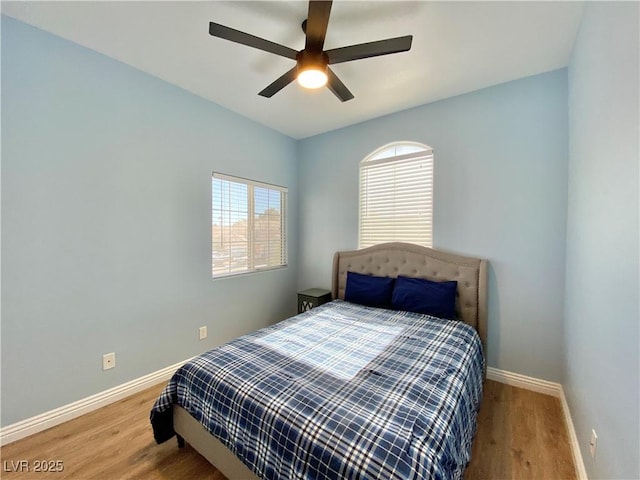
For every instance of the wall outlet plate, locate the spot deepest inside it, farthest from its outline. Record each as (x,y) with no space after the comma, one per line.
(593,443)
(203,333)
(108,361)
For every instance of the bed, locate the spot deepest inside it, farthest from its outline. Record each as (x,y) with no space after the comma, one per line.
(343,390)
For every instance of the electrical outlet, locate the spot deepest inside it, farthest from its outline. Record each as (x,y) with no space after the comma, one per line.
(203,333)
(108,361)
(593,443)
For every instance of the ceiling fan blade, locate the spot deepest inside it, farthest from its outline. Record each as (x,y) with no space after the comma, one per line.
(237,36)
(337,87)
(317,21)
(280,83)
(370,49)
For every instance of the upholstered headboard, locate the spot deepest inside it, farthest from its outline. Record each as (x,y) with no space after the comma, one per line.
(393,259)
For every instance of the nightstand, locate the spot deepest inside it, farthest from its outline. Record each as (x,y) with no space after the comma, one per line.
(308,299)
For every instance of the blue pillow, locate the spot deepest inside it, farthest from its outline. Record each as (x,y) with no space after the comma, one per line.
(424,296)
(369,290)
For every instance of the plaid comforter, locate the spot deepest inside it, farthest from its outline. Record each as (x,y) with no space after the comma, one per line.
(342,392)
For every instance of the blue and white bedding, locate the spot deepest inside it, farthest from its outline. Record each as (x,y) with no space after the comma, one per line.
(342,392)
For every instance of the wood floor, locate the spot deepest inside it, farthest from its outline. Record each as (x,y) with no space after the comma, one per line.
(521,435)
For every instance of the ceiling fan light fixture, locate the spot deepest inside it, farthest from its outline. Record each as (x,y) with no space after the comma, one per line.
(312,77)
(312,69)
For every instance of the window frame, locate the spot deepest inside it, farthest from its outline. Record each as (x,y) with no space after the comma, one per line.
(251,242)
(380,158)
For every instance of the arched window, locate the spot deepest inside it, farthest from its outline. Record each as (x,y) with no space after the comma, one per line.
(396,195)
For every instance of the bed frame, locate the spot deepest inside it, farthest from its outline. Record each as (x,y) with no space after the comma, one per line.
(389,260)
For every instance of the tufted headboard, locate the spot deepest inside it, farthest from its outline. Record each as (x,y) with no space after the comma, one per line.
(393,259)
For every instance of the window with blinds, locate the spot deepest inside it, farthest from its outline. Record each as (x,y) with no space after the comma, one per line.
(248,226)
(396,195)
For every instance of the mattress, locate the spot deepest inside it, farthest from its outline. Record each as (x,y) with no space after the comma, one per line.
(341,391)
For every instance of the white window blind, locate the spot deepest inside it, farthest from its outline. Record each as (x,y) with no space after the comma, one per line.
(248,225)
(396,196)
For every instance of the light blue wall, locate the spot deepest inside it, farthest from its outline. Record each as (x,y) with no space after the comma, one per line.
(106,222)
(602,289)
(500,193)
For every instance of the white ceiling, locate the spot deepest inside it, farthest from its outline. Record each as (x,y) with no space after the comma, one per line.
(457,47)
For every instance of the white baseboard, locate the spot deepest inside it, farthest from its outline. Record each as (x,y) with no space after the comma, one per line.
(522,381)
(49,419)
(581,472)
(548,388)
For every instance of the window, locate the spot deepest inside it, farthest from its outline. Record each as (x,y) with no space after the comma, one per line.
(396,195)
(248,226)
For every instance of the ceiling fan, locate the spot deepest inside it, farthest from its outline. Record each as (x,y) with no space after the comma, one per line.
(312,62)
